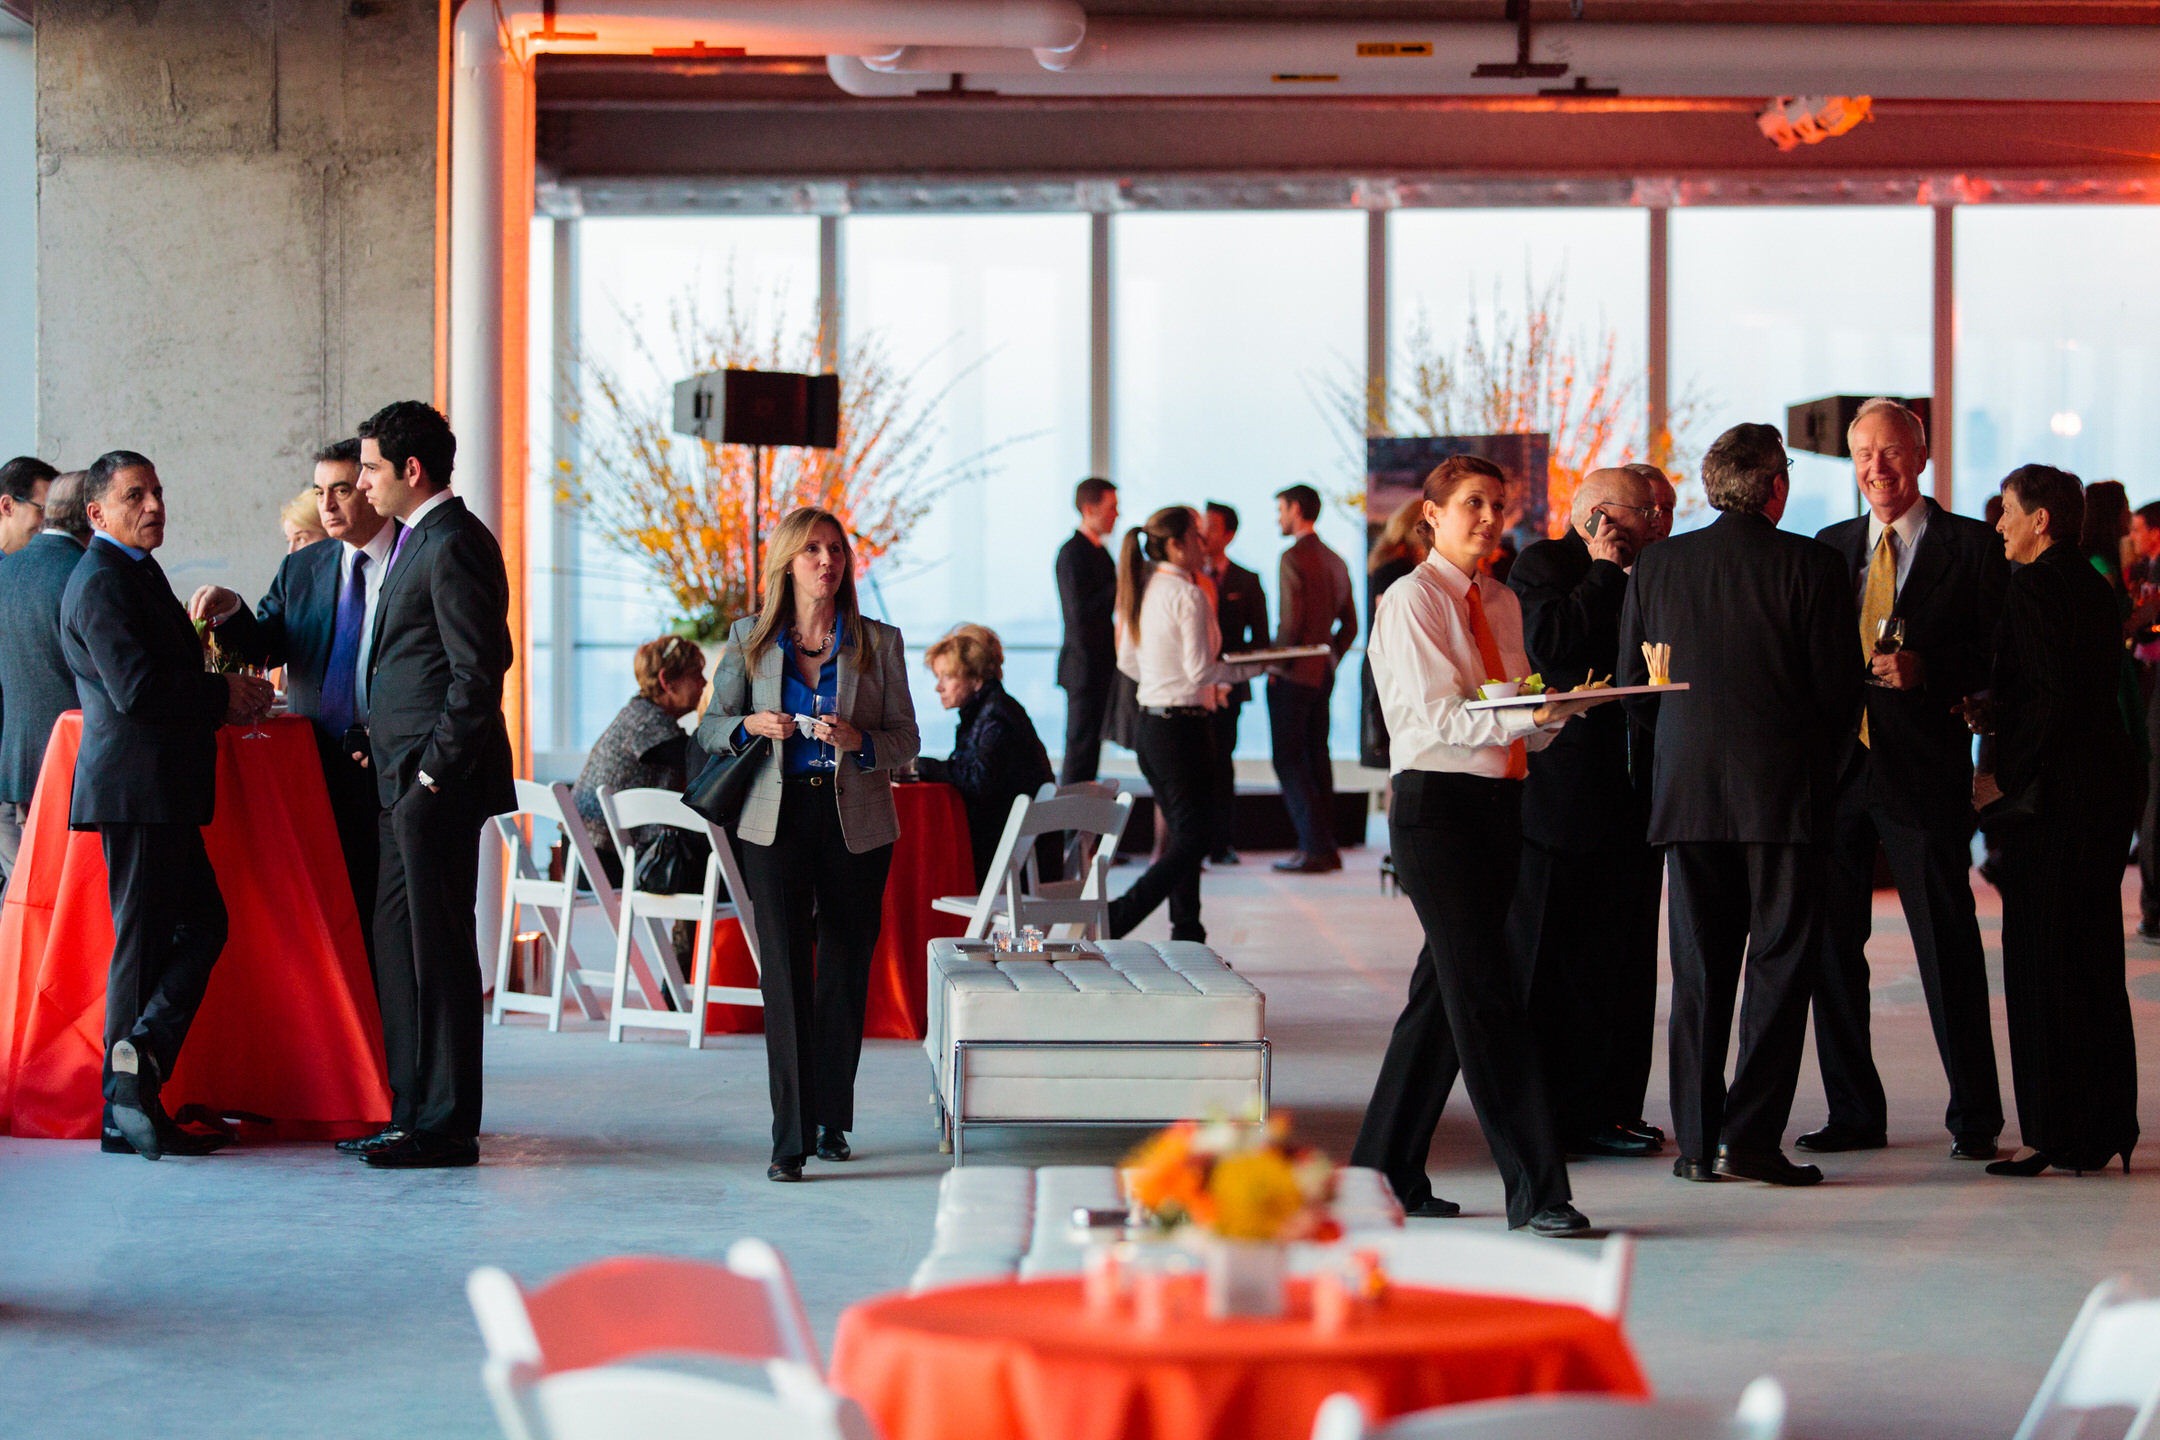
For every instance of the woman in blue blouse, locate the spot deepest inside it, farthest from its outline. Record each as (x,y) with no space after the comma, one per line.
(817,830)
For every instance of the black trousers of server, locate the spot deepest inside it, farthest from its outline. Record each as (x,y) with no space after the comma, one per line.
(1457,842)
(1930,866)
(168,930)
(1177,755)
(1582,934)
(1735,905)
(819,907)
(1085,709)
(427,959)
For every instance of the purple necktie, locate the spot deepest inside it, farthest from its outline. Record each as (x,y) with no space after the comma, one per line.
(340,681)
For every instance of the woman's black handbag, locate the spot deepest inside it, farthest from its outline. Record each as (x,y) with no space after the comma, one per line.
(672,862)
(724,784)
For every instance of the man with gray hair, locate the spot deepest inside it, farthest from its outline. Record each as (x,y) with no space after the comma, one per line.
(1930,588)
(34,675)
(1758,622)
(1582,932)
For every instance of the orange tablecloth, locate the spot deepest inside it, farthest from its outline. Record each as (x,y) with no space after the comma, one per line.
(931,858)
(288,1028)
(1025,1362)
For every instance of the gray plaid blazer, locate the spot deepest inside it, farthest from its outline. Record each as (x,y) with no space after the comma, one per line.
(875,701)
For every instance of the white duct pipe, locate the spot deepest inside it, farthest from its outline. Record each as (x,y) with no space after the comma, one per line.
(790,27)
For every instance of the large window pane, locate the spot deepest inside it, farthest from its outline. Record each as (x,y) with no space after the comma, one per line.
(1774,306)
(2058,345)
(987,317)
(1230,330)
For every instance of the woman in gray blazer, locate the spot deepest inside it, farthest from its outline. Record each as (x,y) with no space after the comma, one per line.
(817,830)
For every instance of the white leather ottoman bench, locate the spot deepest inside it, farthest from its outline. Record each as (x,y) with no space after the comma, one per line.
(1112,1032)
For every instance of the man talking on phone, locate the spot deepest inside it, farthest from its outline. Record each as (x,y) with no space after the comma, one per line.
(1582,933)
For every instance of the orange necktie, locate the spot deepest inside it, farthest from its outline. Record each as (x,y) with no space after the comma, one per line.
(1518,758)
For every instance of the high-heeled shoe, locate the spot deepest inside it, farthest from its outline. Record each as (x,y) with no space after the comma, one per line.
(2024,1169)
(2079,1164)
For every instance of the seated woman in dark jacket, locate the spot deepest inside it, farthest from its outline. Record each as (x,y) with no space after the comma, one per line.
(997,755)
(644,745)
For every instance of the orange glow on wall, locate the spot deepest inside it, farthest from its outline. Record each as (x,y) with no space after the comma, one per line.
(517,193)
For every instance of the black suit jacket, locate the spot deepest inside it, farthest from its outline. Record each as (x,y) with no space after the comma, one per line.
(435,669)
(34,675)
(1951,601)
(2060,747)
(1579,796)
(1762,627)
(150,711)
(1241,612)
(295,624)
(1087,593)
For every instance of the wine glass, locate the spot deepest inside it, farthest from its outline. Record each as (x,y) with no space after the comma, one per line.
(1890,635)
(254,730)
(825,707)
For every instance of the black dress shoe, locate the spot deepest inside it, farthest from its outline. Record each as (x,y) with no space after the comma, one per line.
(1291,864)
(788,1172)
(382,1139)
(1302,864)
(1686,1168)
(2149,933)
(1560,1219)
(1769,1166)
(1617,1141)
(1974,1147)
(177,1140)
(1834,1137)
(134,1108)
(425,1150)
(1643,1128)
(1224,856)
(831,1144)
(1432,1207)
(2023,1169)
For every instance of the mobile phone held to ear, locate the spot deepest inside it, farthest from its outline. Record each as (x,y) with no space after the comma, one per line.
(1597,520)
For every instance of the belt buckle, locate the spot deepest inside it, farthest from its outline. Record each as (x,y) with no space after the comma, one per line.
(813,781)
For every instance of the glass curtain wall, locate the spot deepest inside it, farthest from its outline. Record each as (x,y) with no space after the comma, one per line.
(2058,336)
(1773,306)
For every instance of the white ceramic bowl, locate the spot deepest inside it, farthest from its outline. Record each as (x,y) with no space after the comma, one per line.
(1500,690)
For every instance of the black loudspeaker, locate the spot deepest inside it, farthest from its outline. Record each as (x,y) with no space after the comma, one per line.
(1819,426)
(760,407)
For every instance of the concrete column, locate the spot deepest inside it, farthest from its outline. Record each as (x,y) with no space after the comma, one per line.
(1099,341)
(18,237)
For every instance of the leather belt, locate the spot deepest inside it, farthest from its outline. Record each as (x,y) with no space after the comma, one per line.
(1175,712)
(812,781)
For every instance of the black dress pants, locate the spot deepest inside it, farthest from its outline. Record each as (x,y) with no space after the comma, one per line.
(168,930)
(1457,842)
(1085,706)
(1931,866)
(819,907)
(356,810)
(1298,726)
(1225,797)
(1177,755)
(1732,904)
(427,960)
(1582,935)
(2149,817)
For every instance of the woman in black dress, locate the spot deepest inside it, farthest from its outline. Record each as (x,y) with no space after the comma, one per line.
(2059,802)
(997,756)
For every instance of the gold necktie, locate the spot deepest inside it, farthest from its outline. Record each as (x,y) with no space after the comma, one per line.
(1877,599)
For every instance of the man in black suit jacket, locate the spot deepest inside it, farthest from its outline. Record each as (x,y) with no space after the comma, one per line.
(1241,614)
(1906,786)
(1087,660)
(146,781)
(312,622)
(434,669)
(1582,932)
(34,675)
(1759,622)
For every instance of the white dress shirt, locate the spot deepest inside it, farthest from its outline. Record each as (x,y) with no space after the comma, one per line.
(1177,660)
(377,551)
(1426,663)
(1908,528)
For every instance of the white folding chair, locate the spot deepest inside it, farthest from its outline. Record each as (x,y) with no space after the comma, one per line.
(1596,1278)
(2109,1360)
(610,1403)
(630,810)
(557,902)
(1760,1416)
(1075,906)
(1080,847)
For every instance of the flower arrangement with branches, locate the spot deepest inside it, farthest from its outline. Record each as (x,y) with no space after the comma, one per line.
(682,507)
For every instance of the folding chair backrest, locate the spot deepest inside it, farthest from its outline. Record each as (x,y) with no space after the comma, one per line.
(2110,1359)
(1080,848)
(1760,1416)
(537,802)
(1596,1279)
(623,1400)
(635,809)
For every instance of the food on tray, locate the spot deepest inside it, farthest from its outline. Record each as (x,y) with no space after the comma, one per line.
(1659,659)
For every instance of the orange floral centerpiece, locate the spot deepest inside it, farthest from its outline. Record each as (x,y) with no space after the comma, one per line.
(1241,1191)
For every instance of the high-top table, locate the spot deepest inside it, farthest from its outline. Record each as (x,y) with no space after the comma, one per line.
(288,1029)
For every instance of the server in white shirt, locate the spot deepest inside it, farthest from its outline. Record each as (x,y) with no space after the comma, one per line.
(1171,646)
(314,621)
(1455,821)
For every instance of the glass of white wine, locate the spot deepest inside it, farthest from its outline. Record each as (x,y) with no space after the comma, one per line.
(1889,639)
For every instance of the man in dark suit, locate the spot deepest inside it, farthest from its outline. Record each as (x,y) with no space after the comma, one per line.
(1582,932)
(1759,622)
(1315,605)
(1087,660)
(433,690)
(146,781)
(311,622)
(1241,613)
(1906,787)
(35,682)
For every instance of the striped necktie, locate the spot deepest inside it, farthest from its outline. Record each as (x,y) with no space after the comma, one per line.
(1877,599)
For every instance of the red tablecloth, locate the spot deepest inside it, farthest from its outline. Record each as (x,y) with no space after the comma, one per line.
(931,858)
(288,1028)
(1026,1362)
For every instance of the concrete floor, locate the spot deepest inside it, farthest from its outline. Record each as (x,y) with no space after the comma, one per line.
(280,1289)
